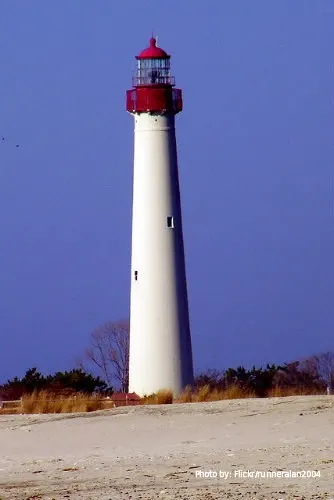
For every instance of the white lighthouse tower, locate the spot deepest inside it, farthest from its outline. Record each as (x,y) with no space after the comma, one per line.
(160,342)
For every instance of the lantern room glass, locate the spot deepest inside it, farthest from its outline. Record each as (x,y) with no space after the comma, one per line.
(153,72)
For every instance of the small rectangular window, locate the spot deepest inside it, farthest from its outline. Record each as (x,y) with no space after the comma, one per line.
(136,275)
(170,221)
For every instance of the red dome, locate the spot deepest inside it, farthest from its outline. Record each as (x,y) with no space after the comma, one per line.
(153,52)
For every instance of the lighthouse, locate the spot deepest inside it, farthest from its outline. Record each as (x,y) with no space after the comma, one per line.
(160,344)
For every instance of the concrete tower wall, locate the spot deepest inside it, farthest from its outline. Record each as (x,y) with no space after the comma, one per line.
(160,343)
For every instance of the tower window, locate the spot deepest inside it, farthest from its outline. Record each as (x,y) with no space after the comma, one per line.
(170,221)
(136,275)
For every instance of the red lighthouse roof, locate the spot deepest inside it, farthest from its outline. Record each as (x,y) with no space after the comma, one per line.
(153,52)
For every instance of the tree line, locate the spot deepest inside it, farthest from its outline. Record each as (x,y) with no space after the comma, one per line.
(105,365)
(64,383)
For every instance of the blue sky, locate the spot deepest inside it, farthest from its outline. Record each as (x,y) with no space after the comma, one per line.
(255,158)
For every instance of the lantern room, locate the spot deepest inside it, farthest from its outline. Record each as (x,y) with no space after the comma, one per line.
(153,66)
(153,84)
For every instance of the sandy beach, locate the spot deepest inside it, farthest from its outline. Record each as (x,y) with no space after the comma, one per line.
(229,449)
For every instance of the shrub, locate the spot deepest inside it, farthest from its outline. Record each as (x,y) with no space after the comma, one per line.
(186,395)
(162,397)
(234,391)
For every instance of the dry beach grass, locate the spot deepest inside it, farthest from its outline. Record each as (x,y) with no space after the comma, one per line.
(48,402)
(160,451)
(207,394)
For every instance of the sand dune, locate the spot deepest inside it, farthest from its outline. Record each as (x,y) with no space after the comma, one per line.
(173,452)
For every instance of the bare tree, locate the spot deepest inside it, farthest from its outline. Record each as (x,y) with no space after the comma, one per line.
(325,366)
(109,352)
(299,373)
